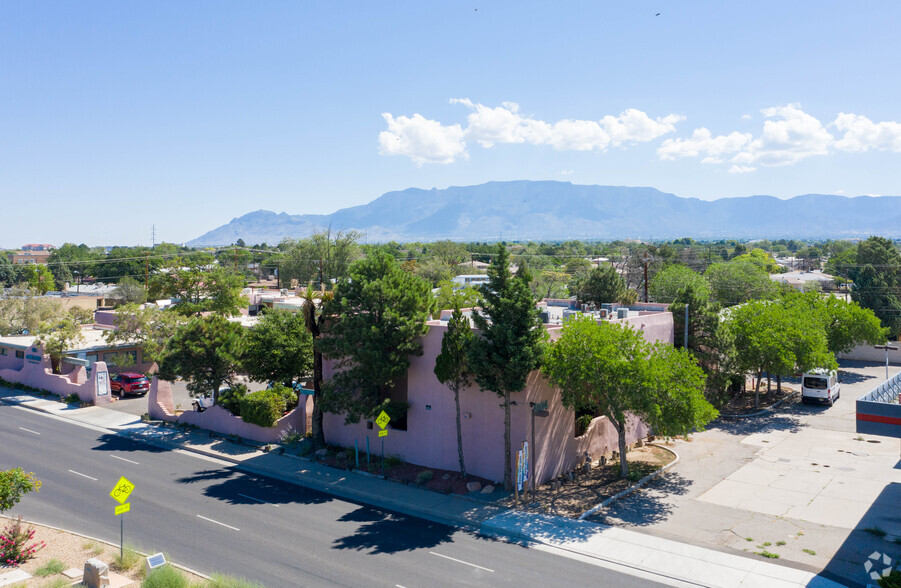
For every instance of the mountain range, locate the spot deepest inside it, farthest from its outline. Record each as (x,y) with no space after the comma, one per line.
(550,211)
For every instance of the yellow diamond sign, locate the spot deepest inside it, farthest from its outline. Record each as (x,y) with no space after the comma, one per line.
(122,490)
(382,420)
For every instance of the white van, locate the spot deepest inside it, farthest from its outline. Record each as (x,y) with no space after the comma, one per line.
(820,385)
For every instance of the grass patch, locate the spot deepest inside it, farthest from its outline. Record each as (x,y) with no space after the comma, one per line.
(877,531)
(221,581)
(93,547)
(767,554)
(809,551)
(765,544)
(54,566)
(424,477)
(800,533)
(780,542)
(749,539)
(130,560)
(57,583)
(165,577)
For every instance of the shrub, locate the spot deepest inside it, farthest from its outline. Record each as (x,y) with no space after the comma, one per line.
(14,544)
(392,461)
(288,394)
(72,398)
(230,399)
(262,408)
(424,476)
(13,484)
(54,566)
(129,560)
(893,580)
(290,436)
(165,577)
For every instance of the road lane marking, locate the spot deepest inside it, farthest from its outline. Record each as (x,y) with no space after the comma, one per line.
(123,459)
(461,561)
(29,430)
(258,500)
(82,475)
(218,523)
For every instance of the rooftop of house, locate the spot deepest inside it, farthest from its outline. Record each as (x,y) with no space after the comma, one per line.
(93,340)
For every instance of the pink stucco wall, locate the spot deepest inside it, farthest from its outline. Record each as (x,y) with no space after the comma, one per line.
(218,419)
(431,435)
(40,375)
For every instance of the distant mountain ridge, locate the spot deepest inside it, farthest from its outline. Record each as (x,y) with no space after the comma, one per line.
(548,210)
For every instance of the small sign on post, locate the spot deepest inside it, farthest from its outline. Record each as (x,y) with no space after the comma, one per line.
(123,508)
(152,562)
(120,493)
(382,420)
(383,433)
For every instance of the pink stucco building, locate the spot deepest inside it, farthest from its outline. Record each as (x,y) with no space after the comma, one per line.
(430,437)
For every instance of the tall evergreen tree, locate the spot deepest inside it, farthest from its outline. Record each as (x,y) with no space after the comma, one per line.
(510,340)
(451,365)
(375,322)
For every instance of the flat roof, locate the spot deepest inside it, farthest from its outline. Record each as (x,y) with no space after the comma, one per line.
(93,340)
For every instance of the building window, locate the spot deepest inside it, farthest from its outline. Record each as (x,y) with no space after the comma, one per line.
(2,350)
(20,354)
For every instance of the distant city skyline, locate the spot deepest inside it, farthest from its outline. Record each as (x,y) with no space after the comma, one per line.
(120,116)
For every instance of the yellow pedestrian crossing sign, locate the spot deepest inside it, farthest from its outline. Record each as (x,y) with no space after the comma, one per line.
(122,490)
(382,420)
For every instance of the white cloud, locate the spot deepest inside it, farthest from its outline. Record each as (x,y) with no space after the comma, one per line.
(789,135)
(421,139)
(428,141)
(566,172)
(746,117)
(862,134)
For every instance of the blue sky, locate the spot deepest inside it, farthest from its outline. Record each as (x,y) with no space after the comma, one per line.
(115,116)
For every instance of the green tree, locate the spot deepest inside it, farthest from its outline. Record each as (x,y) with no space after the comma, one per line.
(877,282)
(8,274)
(447,296)
(376,320)
(149,327)
(198,290)
(549,284)
(738,281)
(129,291)
(205,352)
(762,259)
(22,312)
(510,340)
(609,369)
(846,323)
(451,367)
(279,348)
(773,338)
(58,336)
(323,258)
(14,484)
(843,263)
(600,285)
(668,282)
(38,277)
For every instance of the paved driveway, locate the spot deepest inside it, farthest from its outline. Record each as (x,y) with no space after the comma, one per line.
(137,405)
(801,476)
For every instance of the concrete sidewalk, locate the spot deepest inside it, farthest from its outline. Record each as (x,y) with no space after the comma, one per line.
(663,560)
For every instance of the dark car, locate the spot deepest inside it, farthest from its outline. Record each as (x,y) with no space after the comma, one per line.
(129,383)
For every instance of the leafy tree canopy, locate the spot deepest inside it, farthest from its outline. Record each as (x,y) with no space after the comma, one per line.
(14,484)
(738,281)
(205,352)
(600,285)
(279,348)
(668,282)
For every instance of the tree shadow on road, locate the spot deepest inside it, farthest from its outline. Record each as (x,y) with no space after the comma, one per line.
(240,488)
(110,442)
(385,532)
(647,506)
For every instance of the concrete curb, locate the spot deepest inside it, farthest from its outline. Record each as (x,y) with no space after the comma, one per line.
(759,412)
(634,487)
(173,564)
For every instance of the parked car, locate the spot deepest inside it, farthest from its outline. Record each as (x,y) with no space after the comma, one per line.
(129,383)
(821,385)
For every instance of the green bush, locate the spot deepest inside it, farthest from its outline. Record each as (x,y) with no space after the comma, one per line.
(893,580)
(582,423)
(287,393)
(72,398)
(262,408)
(424,476)
(231,399)
(165,577)
(129,560)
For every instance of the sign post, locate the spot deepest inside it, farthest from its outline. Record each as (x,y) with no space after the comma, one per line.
(382,421)
(120,493)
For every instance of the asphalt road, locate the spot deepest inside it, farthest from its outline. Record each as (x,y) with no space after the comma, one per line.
(212,517)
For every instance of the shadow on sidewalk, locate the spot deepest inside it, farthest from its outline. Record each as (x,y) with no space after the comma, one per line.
(647,506)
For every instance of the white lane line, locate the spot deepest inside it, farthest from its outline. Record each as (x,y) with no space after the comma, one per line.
(461,561)
(218,523)
(258,500)
(29,430)
(123,459)
(82,475)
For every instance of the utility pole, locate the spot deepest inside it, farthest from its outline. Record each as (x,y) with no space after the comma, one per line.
(236,260)
(645,277)
(153,235)
(685,345)
(146,268)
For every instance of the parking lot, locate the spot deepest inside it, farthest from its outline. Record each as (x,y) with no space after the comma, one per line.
(137,405)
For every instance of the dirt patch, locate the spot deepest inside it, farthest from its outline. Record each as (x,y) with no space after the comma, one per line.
(443,481)
(588,489)
(743,402)
(73,550)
